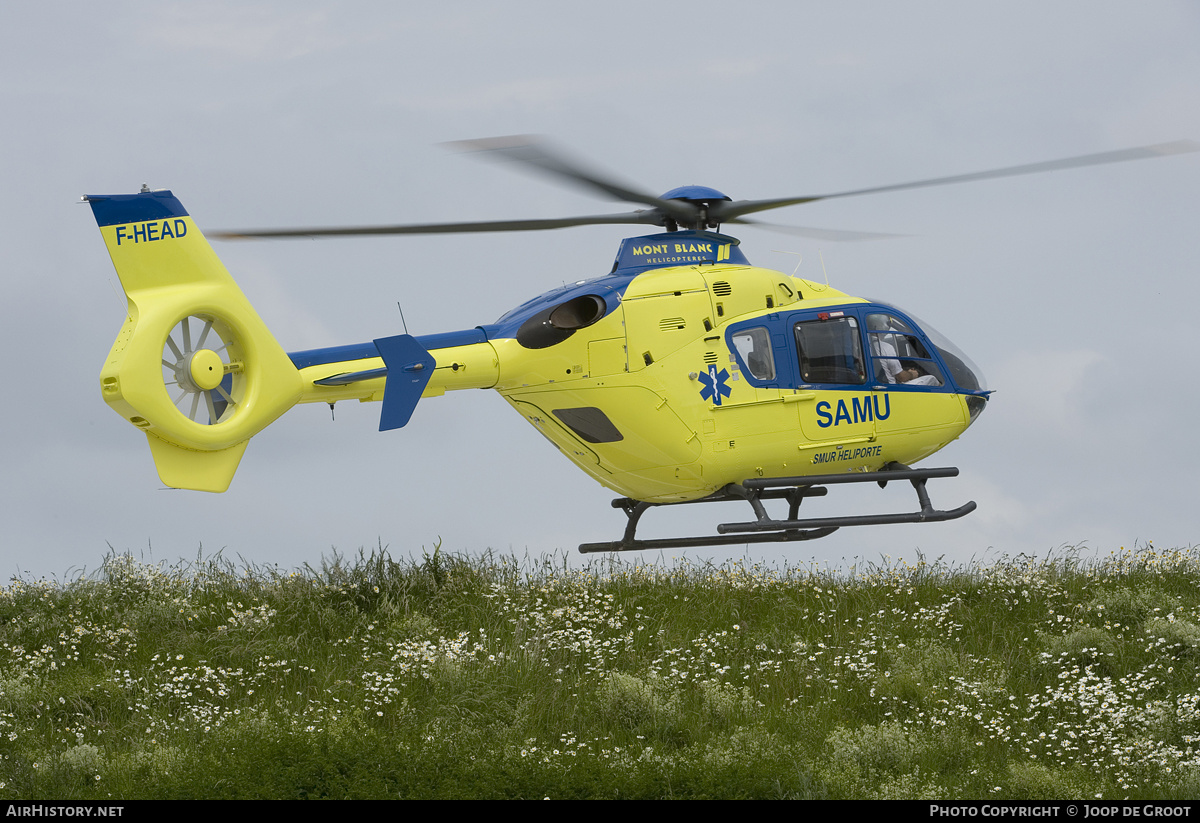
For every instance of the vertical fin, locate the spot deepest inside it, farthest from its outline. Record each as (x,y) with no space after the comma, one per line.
(194,366)
(409,367)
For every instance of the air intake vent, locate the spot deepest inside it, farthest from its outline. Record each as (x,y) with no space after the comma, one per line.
(722,288)
(710,357)
(671,324)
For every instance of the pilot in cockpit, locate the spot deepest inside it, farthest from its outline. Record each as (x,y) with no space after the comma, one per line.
(889,347)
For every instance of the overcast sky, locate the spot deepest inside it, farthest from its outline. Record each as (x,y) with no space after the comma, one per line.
(1075,292)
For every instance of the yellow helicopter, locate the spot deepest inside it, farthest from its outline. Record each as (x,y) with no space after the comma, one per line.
(683,375)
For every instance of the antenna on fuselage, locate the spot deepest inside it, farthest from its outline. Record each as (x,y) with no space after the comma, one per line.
(798,262)
(402,321)
(120,299)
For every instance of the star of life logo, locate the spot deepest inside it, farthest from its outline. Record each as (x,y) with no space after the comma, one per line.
(715,385)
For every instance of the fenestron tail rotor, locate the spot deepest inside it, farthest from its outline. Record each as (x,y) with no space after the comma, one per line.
(690,207)
(202,369)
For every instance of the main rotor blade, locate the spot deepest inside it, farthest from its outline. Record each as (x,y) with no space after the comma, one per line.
(535,152)
(835,235)
(725,212)
(633,217)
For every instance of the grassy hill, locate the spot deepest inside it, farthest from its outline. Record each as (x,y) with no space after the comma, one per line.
(456,677)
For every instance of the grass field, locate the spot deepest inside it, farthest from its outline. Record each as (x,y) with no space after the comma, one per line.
(447,676)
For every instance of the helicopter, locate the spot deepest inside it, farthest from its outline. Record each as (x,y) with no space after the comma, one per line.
(683,375)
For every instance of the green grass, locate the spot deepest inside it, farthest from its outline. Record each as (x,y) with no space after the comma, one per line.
(447,676)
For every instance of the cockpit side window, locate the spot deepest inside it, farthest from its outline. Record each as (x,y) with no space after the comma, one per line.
(897,354)
(830,351)
(754,348)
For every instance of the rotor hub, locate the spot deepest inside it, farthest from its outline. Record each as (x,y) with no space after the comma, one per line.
(205,369)
(695,194)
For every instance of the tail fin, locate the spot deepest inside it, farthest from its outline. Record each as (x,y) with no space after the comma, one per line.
(194,366)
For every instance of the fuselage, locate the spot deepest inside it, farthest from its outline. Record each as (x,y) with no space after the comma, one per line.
(686,369)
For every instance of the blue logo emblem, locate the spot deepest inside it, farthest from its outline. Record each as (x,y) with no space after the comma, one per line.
(714,385)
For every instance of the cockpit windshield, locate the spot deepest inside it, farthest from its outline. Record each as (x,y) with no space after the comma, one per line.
(965,374)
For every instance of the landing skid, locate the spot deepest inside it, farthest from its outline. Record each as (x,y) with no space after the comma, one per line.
(763,529)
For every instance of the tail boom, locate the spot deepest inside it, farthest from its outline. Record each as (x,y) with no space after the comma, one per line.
(398,370)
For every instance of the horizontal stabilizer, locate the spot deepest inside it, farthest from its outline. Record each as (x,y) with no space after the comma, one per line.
(351,377)
(409,367)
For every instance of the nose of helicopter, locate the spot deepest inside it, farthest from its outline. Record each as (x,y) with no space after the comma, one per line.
(966,376)
(976,403)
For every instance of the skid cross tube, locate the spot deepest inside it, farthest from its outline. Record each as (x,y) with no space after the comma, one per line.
(764,529)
